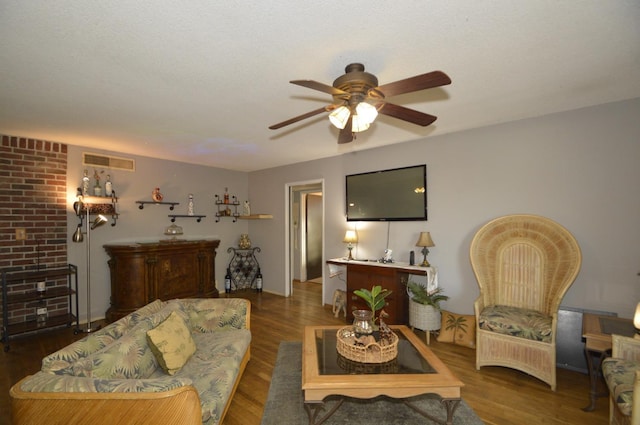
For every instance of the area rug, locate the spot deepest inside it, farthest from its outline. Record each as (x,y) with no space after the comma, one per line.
(284,404)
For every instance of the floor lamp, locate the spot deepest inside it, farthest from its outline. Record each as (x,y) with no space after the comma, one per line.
(77,237)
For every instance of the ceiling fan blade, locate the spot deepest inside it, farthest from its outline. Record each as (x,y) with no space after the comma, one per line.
(301,117)
(406,114)
(320,87)
(346,135)
(419,82)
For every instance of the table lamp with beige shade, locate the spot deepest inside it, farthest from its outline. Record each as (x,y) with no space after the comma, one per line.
(425,241)
(350,238)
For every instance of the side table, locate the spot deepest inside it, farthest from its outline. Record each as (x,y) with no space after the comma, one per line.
(597,330)
(243,267)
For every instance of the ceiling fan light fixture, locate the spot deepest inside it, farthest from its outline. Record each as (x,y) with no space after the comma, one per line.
(340,116)
(358,124)
(367,112)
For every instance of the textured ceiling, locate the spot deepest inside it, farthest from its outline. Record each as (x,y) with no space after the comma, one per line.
(201,81)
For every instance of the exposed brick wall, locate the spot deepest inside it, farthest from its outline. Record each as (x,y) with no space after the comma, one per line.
(33,196)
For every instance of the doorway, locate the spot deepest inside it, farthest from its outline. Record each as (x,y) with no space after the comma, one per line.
(313,236)
(305,205)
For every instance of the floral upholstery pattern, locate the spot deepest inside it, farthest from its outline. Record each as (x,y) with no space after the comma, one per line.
(520,322)
(220,358)
(63,359)
(620,377)
(208,316)
(117,358)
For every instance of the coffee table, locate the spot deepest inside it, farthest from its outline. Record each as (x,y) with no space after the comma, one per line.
(415,371)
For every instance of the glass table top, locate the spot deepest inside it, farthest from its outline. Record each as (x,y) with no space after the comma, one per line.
(330,362)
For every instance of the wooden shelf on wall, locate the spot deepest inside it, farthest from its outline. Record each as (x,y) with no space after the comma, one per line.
(256,217)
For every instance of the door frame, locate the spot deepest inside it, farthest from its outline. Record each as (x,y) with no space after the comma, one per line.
(288,207)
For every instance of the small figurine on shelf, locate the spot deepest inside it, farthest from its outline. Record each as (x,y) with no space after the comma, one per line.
(97,189)
(190,209)
(156,195)
(246,208)
(245,242)
(85,183)
(108,186)
(226,195)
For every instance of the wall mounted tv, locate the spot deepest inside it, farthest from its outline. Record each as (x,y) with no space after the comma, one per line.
(397,194)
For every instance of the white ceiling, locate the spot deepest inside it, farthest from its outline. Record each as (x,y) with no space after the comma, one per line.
(200,81)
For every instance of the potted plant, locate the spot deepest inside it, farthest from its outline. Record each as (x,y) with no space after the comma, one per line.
(424,307)
(375,300)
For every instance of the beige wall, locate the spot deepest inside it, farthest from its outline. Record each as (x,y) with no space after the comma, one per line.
(580,168)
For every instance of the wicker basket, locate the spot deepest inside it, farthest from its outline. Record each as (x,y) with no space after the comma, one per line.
(370,353)
(424,317)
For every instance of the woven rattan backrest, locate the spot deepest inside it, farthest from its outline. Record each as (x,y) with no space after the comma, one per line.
(524,261)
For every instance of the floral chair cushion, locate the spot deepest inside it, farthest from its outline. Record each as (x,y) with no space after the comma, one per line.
(620,376)
(514,321)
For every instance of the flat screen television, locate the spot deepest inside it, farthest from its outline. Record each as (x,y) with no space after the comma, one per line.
(398,194)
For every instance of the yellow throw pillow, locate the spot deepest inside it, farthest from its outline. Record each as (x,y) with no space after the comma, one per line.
(459,329)
(171,343)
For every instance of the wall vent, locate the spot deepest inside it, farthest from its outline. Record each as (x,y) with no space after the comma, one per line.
(114,162)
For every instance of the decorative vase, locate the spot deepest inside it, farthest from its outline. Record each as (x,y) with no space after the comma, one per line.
(156,195)
(363,322)
(245,242)
(190,208)
(108,186)
(85,183)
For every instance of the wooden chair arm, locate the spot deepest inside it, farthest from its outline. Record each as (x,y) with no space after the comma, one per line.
(178,406)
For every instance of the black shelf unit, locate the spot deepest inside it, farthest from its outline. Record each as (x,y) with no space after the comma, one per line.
(243,268)
(227,209)
(197,217)
(172,205)
(39,298)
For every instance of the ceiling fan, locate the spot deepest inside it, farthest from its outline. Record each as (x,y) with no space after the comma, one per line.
(357,100)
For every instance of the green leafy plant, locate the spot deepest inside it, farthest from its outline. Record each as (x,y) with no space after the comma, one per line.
(375,298)
(420,295)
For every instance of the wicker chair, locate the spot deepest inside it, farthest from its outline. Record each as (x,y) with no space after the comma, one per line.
(621,371)
(524,264)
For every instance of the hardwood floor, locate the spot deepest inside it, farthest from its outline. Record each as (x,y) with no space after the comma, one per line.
(500,396)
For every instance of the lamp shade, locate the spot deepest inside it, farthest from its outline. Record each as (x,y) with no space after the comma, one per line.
(77,207)
(358,124)
(367,112)
(99,221)
(350,237)
(340,116)
(77,235)
(425,240)
(636,317)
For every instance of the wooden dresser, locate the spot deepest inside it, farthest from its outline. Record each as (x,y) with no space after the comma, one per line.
(392,276)
(143,272)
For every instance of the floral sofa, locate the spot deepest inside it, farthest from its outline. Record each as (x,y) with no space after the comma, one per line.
(170,362)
